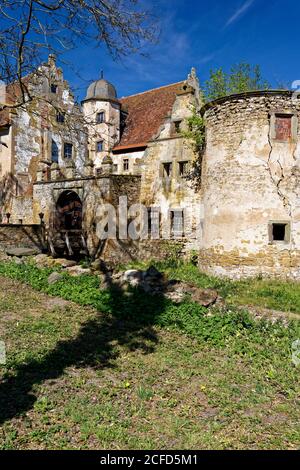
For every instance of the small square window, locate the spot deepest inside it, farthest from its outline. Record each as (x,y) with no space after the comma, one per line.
(60,117)
(126,164)
(167,169)
(68,151)
(100,118)
(183,168)
(279,232)
(100,146)
(177,126)
(53,88)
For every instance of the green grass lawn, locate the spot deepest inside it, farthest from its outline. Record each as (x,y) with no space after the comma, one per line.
(272,294)
(129,371)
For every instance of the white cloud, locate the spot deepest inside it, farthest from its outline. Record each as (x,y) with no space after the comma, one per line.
(239,12)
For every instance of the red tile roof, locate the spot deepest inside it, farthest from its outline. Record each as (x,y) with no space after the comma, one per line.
(146,113)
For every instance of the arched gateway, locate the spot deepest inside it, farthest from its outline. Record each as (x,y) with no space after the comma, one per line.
(68,211)
(67,237)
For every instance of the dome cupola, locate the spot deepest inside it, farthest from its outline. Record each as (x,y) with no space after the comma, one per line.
(101,90)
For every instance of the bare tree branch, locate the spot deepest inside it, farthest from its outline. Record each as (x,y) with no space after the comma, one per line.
(32,28)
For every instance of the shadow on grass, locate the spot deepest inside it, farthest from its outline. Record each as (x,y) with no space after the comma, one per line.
(130,325)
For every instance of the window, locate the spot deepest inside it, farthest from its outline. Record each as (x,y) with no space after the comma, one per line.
(167,169)
(154,222)
(100,146)
(183,168)
(54,152)
(115,168)
(279,232)
(126,164)
(68,151)
(177,126)
(98,171)
(100,118)
(53,88)
(283,127)
(60,117)
(176,217)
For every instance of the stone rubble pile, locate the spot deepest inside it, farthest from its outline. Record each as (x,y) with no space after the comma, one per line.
(151,281)
(154,282)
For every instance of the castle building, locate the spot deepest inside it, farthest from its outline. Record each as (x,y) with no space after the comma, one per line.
(64,164)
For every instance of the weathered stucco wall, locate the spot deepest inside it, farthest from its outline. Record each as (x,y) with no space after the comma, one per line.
(174,191)
(108,131)
(251,179)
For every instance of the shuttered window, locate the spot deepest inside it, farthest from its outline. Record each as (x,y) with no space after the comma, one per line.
(283,127)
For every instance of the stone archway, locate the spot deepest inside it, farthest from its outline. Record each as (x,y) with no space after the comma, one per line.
(68,212)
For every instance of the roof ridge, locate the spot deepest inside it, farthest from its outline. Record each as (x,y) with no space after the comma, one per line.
(152,89)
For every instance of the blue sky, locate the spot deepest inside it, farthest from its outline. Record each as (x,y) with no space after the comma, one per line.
(203,34)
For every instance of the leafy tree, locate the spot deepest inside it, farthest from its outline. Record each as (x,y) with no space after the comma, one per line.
(195,136)
(216,86)
(195,131)
(241,78)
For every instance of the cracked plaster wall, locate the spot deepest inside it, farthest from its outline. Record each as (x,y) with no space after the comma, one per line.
(250,180)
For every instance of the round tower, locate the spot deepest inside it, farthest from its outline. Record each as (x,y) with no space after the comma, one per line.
(250,186)
(101,110)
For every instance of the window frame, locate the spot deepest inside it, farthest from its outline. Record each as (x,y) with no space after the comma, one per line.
(163,169)
(64,150)
(294,125)
(287,234)
(173,233)
(183,174)
(127,164)
(54,143)
(154,229)
(177,126)
(60,117)
(102,146)
(53,86)
(100,121)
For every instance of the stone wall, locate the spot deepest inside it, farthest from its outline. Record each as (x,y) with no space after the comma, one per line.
(21,236)
(94,194)
(249,180)
(175,191)
(117,252)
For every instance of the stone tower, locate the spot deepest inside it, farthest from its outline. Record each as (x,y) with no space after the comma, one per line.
(101,110)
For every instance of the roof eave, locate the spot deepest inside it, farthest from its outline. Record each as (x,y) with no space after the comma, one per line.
(139,146)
